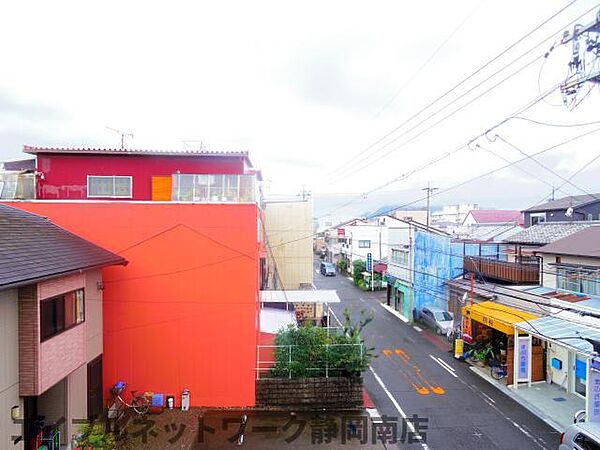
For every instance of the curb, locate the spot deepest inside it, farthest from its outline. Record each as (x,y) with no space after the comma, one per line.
(510,393)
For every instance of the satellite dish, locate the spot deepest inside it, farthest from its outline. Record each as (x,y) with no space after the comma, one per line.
(569,212)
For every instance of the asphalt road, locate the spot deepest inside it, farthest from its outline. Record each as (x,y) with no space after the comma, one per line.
(415,374)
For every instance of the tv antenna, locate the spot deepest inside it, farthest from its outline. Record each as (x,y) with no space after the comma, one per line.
(123,135)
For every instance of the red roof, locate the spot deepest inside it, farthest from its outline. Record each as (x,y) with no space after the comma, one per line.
(497,216)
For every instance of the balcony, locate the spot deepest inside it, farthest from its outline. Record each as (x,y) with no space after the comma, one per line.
(511,272)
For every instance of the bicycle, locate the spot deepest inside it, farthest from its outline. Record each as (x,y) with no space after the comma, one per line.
(498,370)
(139,403)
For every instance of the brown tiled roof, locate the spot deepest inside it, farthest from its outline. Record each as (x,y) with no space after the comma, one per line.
(32,249)
(583,243)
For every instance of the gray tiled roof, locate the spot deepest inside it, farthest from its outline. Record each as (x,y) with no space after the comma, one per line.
(547,232)
(32,248)
(573,201)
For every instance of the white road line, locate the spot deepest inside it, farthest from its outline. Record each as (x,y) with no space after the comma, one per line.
(417,328)
(488,397)
(444,367)
(397,406)
(445,364)
(316,271)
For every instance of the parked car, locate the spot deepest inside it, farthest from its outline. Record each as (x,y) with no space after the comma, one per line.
(327,269)
(581,436)
(438,319)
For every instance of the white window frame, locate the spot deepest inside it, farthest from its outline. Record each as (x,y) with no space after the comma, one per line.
(114,177)
(532,215)
(364,246)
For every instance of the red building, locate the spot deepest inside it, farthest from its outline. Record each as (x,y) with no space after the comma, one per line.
(184,313)
(102,174)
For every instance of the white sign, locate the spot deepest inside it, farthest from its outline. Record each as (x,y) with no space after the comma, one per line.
(593,396)
(524,359)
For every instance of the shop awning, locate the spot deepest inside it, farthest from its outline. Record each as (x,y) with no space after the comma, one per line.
(563,332)
(307,296)
(497,316)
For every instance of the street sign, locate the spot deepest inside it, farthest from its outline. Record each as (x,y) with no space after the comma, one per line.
(369,262)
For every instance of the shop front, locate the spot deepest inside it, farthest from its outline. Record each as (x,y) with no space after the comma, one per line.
(489,328)
(399,296)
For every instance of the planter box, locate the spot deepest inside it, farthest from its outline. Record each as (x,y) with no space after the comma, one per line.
(309,393)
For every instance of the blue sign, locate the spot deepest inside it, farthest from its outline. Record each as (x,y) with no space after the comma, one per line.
(369,262)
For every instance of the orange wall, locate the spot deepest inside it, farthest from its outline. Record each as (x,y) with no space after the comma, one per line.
(184,312)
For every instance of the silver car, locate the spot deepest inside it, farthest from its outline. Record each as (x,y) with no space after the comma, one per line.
(438,319)
(581,436)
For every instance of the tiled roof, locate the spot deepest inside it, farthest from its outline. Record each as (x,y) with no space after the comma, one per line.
(583,243)
(497,216)
(127,151)
(547,232)
(32,248)
(573,201)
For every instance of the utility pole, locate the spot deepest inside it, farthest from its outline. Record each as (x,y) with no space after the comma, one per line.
(304,194)
(429,190)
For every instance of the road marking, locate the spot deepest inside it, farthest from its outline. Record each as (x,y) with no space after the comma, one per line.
(316,271)
(397,406)
(446,364)
(417,328)
(488,397)
(450,371)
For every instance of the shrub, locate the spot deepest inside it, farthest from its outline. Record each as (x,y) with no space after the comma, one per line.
(316,353)
(359,267)
(93,436)
(343,265)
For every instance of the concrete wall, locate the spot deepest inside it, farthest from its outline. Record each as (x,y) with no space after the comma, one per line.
(93,314)
(76,399)
(558,376)
(290,223)
(9,369)
(52,404)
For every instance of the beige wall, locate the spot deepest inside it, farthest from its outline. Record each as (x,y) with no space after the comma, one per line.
(93,314)
(9,369)
(549,279)
(290,222)
(76,399)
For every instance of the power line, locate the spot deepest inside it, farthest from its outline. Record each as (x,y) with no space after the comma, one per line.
(428,60)
(462,183)
(445,94)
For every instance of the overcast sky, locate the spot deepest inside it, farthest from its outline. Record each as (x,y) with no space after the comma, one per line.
(304,86)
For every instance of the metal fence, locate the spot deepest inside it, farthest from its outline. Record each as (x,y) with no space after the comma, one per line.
(326,367)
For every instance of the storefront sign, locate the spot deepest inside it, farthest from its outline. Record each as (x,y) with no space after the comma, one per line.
(467,326)
(458,348)
(341,232)
(594,392)
(369,262)
(524,358)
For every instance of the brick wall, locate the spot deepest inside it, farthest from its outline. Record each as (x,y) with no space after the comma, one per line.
(29,340)
(309,393)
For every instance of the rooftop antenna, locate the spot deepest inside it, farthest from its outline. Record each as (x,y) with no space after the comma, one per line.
(194,144)
(123,134)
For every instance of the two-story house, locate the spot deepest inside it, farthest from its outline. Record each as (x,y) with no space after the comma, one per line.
(51,336)
(566,209)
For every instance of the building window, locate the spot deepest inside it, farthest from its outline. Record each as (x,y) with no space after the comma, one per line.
(60,313)
(537,218)
(109,186)
(585,281)
(364,244)
(217,188)
(399,257)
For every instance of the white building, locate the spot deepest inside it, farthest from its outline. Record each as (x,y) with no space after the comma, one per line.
(452,214)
